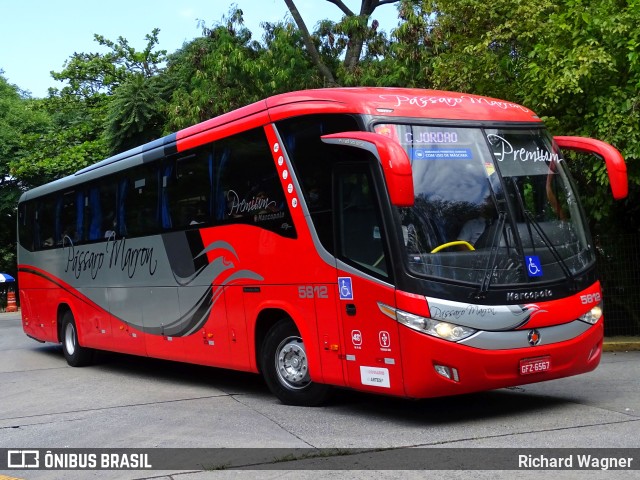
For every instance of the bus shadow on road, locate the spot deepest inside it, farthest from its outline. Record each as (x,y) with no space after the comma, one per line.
(441,410)
(492,404)
(230,382)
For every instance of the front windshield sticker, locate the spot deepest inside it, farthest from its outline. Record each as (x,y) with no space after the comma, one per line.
(521,155)
(389,131)
(503,150)
(489,168)
(441,154)
(431,137)
(534,267)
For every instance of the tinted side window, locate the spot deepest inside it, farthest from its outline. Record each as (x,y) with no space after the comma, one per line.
(26,224)
(248,188)
(102,209)
(45,228)
(138,202)
(361,234)
(186,194)
(68,222)
(51,220)
(313,162)
(233,180)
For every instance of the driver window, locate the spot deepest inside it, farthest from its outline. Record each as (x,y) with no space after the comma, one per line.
(359,223)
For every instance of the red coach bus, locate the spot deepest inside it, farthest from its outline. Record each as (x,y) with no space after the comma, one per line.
(406,242)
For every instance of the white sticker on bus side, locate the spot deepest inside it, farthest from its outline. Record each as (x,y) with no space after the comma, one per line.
(375,376)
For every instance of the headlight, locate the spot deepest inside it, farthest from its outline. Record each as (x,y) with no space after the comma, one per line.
(435,328)
(593,315)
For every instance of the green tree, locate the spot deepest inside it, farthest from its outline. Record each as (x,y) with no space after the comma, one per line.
(284,64)
(407,59)
(583,75)
(137,109)
(351,38)
(214,73)
(110,102)
(73,139)
(574,62)
(136,112)
(123,91)
(226,69)
(89,74)
(483,47)
(18,118)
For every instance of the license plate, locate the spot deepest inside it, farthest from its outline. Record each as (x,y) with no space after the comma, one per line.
(535,365)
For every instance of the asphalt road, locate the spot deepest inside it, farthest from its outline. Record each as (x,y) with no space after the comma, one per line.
(132,402)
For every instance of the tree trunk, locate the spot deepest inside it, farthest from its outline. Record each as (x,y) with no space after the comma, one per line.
(356,41)
(311,48)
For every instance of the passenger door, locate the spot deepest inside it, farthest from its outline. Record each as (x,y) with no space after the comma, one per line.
(364,282)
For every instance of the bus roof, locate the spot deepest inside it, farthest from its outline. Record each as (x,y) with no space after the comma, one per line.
(392,102)
(406,102)
(379,101)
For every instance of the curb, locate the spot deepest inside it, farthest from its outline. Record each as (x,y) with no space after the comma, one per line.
(621,344)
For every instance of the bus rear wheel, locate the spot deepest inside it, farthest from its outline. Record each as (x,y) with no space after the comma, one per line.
(285,367)
(75,354)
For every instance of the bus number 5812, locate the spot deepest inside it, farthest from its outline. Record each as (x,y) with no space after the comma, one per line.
(310,291)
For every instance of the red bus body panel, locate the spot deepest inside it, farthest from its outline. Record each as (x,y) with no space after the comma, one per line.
(485,370)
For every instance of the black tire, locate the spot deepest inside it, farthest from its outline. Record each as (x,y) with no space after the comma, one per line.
(285,369)
(75,354)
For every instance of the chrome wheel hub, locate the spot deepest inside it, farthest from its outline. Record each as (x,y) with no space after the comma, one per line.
(70,339)
(291,363)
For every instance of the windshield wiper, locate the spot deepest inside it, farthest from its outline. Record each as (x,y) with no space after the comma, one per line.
(490,267)
(532,222)
(551,247)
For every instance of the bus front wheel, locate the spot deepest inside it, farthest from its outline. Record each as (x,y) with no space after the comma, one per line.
(75,354)
(285,367)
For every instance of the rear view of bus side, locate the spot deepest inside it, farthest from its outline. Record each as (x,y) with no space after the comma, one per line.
(405,242)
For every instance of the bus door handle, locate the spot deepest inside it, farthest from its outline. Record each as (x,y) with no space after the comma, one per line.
(351,309)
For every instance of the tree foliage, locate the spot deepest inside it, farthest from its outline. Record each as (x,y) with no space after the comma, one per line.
(136,113)
(352,38)
(19,119)
(72,140)
(122,92)
(585,79)
(214,73)
(404,60)
(90,74)
(575,62)
(226,69)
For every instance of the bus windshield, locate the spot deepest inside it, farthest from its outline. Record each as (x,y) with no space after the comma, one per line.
(492,206)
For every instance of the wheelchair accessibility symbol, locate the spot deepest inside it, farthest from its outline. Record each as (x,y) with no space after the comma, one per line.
(534,267)
(346,292)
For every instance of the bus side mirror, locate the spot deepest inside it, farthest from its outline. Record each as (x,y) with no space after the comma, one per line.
(392,157)
(616,168)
